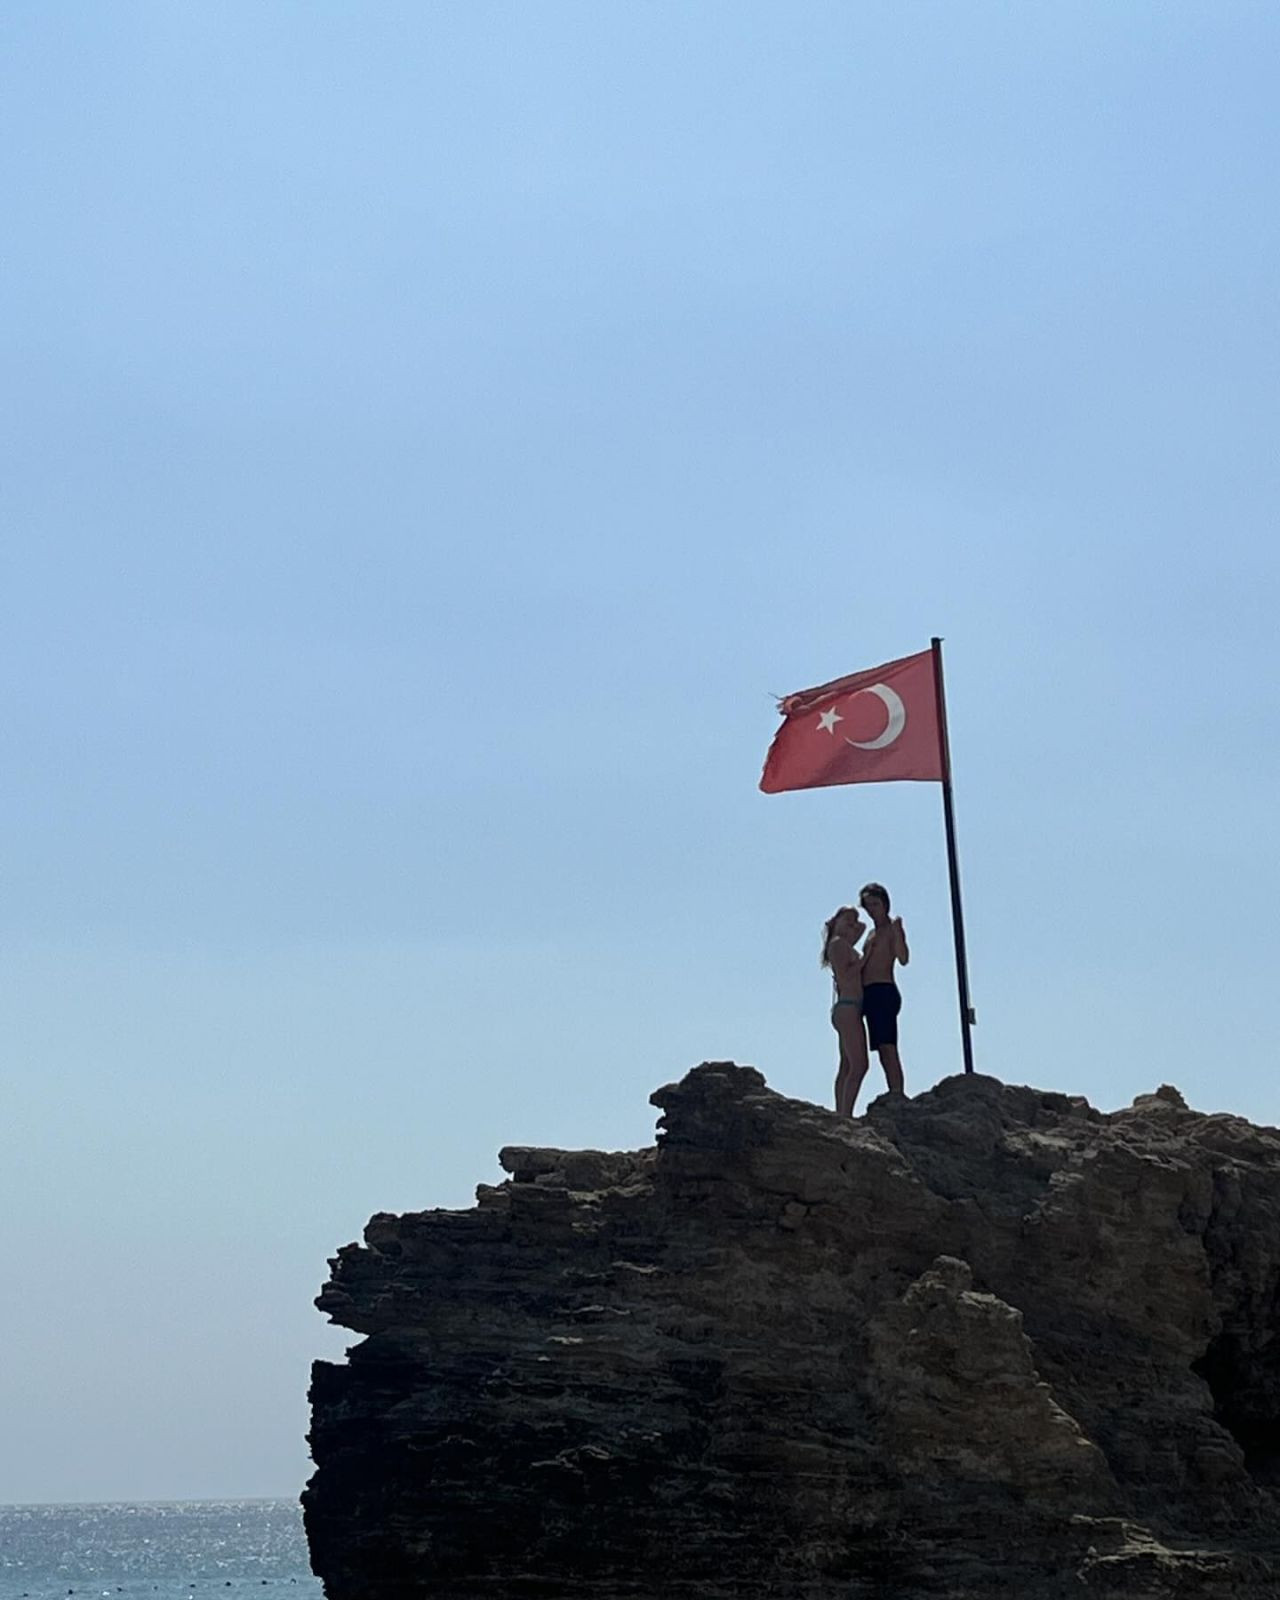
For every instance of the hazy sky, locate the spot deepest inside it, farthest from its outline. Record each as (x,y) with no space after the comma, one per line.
(433,432)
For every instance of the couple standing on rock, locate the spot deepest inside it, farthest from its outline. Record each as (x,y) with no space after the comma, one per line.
(867,1000)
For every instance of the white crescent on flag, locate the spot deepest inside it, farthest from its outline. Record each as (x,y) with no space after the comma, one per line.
(897,717)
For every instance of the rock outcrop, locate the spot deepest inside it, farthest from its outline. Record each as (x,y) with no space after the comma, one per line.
(989,1341)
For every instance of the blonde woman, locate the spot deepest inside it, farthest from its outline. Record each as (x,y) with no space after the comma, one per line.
(840,954)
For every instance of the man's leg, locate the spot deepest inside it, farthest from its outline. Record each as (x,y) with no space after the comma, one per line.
(892,1065)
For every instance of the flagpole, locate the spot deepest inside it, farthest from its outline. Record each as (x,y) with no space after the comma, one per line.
(967,1018)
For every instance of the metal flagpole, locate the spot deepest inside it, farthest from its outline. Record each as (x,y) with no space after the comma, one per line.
(967,1018)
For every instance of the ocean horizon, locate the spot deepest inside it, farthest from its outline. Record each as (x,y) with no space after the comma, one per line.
(157,1549)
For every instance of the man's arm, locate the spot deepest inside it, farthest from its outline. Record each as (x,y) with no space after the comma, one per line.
(900,942)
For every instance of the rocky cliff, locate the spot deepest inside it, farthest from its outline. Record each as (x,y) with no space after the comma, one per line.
(988,1341)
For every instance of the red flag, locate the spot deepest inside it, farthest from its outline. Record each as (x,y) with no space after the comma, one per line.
(873,727)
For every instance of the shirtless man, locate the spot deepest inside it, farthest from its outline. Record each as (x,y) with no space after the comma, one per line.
(881,1001)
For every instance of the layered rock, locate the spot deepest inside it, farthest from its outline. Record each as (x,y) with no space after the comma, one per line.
(988,1341)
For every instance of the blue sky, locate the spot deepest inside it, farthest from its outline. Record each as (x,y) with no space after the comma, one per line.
(432,434)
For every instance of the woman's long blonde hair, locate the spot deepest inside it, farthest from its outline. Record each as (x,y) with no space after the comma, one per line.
(825,959)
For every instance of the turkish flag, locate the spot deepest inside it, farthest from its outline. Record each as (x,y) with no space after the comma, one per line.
(874,727)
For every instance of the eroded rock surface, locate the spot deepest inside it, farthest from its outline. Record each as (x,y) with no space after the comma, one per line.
(988,1341)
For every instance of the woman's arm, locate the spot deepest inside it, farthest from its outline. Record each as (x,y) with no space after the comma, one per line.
(846,963)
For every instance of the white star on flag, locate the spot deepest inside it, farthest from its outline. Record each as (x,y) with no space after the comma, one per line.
(829,718)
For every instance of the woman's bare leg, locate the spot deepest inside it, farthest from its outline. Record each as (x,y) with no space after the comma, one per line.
(842,1082)
(853,1059)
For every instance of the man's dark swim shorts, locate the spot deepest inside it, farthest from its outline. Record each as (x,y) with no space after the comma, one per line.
(881,1004)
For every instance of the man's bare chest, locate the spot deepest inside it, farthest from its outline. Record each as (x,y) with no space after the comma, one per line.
(877,958)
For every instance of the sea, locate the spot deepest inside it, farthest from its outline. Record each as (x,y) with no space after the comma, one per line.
(168,1550)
